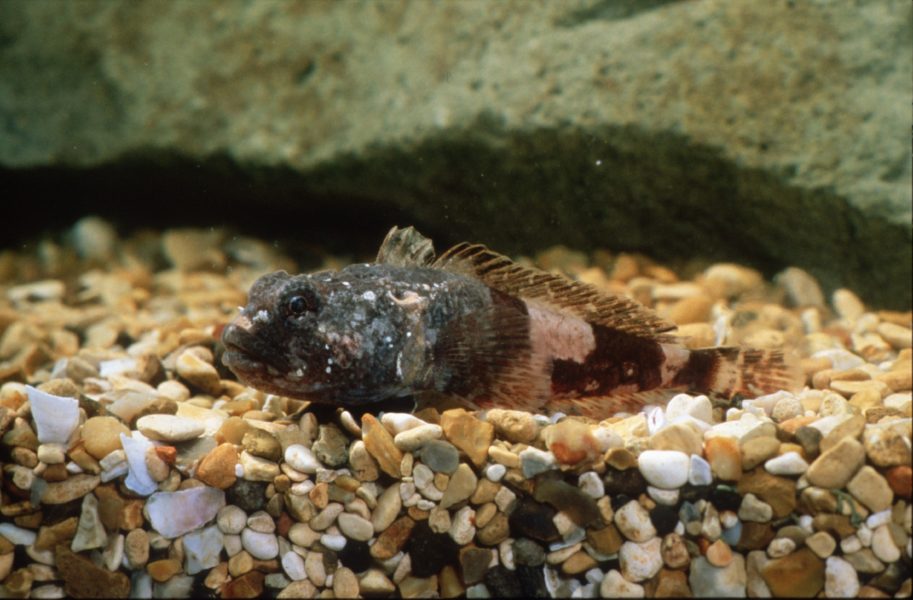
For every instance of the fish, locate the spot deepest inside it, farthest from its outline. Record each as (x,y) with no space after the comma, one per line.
(477,328)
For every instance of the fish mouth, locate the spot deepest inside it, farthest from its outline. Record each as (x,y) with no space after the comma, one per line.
(246,353)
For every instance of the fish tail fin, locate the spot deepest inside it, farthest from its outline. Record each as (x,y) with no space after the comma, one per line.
(727,371)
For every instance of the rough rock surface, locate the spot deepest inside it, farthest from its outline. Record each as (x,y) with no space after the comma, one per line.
(610,120)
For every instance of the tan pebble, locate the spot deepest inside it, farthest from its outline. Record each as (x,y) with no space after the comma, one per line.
(847,304)
(724,457)
(607,540)
(70,489)
(101,435)
(821,543)
(164,569)
(136,548)
(866,399)
(217,576)
(683,437)
(620,458)
(485,492)
(572,442)
(495,531)
(468,434)
(345,584)
(379,444)
(897,381)
(362,463)
(62,532)
(513,425)
(157,468)
(834,467)
(504,457)
(233,430)
(697,335)
(693,309)
(869,487)
(393,538)
(240,563)
(896,335)
(217,469)
(778,492)
(577,563)
(198,373)
(719,554)
(849,428)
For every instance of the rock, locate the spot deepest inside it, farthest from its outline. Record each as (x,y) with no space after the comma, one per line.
(719,554)
(666,469)
(169,428)
(821,543)
(462,485)
(513,425)
(674,551)
(883,545)
(534,461)
(440,456)
(249,585)
(330,446)
(788,464)
(699,471)
(258,469)
(173,514)
(139,480)
(202,549)
(778,492)
(534,520)
(470,435)
(388,506)
(698,407)
(128,405)
(801,575)
(757,450)
(414,438)
(724,457)
(363,465)
(264,546)
(634,522)
(56,417)
(83,579)
(379,444)
(17,535)
(886,447)
(393,538)
(217,469)
(614,585)
(101,435)
(293,565)
(136,548)
(900,479)
(197,372)
(707,580)
(90,533)
(870,488)
(840,579)
(231,519)
(801,288)
(683,437)
(261,444)
(572,442)
(302,459)
(640,561)
(73,487)
(355,527)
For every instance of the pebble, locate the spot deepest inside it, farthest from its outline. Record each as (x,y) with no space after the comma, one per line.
(101,435)
(513,425)
(870,488)
(217,468)
(355,527)
(719,554)
(697,407)
(801,574)
(264,546)
(293,565)
(725,457)
(440,456)
(821,543)
(840,579)
(414,438)
(462,484)
(634,522)
(707,580)
(468,434)
(883,545)
(780,547)
(173,514)
(202,549)
(886,447)
(788,464)
(534,461)
(699,472)
(90,533)
(256,468)
(198,373)
(666,469)
(614,585)
(17,535)
(640,561)
(379,444)
(136,548)
(169,428)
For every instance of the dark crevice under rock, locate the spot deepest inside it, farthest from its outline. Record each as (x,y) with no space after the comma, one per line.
(613,187)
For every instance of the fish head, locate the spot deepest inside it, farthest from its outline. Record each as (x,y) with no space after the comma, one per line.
(323,337)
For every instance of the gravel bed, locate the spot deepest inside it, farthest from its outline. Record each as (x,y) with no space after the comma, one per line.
(134,464)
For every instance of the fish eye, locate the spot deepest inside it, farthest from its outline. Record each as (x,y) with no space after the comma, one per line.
(301,303)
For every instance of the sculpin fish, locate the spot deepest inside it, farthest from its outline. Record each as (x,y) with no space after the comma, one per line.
(475,326)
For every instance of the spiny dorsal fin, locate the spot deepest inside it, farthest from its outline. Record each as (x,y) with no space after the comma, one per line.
(405,247)
(557,292)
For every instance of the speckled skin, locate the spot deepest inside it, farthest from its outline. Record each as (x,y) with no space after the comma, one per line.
(369,333)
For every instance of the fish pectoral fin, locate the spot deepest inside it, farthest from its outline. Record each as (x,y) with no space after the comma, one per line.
(405,247)
(603,407)
(555,291)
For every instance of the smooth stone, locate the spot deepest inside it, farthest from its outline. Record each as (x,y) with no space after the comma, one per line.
(640,561)
(534,461)
(197,372)
(840,579)
(139,480)
(202,549)
(258,469)
(788,464)
(136,548)
(71,488)
(101,435)
(725,457)
(801,574)
(886,447)
(302,535)
(468,434)
(169,428)
(837,465)
(757,450)
(462,484)
(590,483)
(217,468)
(699,472)
(293,565)
(261,522)
(414,438)
(778,492)
(614,585)
(440,456)
(264,546)
(56,417)
(330,447)
(682,437)
(666,469)
(633,521)
(231,519)
(302,459)
(379,444)
(698,407)
(883,545)
(870,488)
(17,535)
(355,527)
(173,514)
(707,580)
(388,506)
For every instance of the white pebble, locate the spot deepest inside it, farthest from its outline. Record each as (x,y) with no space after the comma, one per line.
(495,471)
(789,463)
(302,459)
(698,407)
(260,545)
(883,545)
(666,469)
(640,561)
(19,536)
(780,547)
(840,579)
(660,496)
(590,483)
(55,416)
(699,472)
(332,541)
(231,519)
(293,565)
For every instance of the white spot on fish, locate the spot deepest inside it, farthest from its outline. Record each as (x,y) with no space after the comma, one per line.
(369,296)
(399,365)
(329,369)
(262,316)
(329,361)
(599,163)
(387,339)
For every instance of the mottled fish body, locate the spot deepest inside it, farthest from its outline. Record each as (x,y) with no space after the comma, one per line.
(473,325)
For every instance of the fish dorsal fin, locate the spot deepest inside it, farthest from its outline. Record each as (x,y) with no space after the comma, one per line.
(405,247)
(555,291)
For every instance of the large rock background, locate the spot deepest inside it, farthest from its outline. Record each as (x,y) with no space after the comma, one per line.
(772,133)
